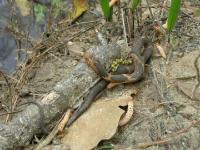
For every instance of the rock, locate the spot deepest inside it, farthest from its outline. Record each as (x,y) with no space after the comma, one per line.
(184,67)
(188,111)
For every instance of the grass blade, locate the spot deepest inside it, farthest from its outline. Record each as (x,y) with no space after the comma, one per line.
(173,14)
(135,4)
(107,10)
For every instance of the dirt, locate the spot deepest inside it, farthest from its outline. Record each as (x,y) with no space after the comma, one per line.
(165,102)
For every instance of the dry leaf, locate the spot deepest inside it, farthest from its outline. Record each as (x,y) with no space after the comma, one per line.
(98,123)
(184,68)
(165,25)
(80,6)
(128,114)
(161,50)
(24,7)
(188,89)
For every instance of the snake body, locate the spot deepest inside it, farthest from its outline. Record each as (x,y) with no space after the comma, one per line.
(124,74)
(131,73)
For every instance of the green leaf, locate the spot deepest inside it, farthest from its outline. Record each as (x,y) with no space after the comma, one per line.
(135,4)
(39,12)
(106,146)
(111,13)
(107,10)
(197,13)
(55,3)
(173,14)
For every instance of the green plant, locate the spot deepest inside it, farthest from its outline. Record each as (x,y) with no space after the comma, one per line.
(134,4)
(107,10)
(56,8)
(39,12)
(197,12)
(55,3)
(173,14)
(106,146)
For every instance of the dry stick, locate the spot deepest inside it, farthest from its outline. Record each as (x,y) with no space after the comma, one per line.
(61,125)
(49,138)
(157,84)
(163,7)
(124,27)
(112,2)
(160,89)
(140,13)
(84,22)
(19,85)
(54,100)
(131,23)
(81,54)
(56,57)
(19,35)
(36,59)
(137,18)
(152,17)
(170,138)
(21,81)
(198,76)
(7,82)
(9,87)
(129,28)
(56,129)
(64,121)
(13,112)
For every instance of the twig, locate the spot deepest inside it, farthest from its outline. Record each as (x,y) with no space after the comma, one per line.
(128,28)
(62,124)
(56,57)
(163,7)
(9,91)
(137,18)
(150,10)
(13,112)
(85,22)
(124,27)
(35,61)
(170,138)
(157,84)
(140,13)
(55,130)
(81,32)
(7,82)
(198,76)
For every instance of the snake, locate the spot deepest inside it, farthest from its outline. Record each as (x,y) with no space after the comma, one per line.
(139,54)
(127,73)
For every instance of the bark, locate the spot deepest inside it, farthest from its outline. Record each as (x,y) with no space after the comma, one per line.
(66,94)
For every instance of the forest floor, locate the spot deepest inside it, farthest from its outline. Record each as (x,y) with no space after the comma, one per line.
(167,103)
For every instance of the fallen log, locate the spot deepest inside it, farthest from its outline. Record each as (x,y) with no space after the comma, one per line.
(66,93)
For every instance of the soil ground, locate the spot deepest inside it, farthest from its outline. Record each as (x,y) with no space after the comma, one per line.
(167,103)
